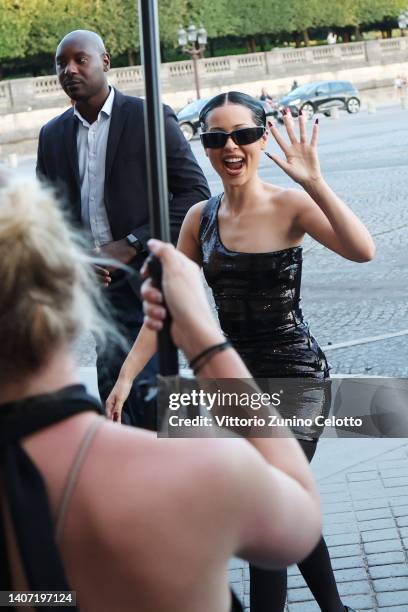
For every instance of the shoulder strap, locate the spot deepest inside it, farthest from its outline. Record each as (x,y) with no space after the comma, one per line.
(73,474)
(209,218)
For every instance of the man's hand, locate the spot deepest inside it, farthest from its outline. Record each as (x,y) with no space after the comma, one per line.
(119,250)
(103,275)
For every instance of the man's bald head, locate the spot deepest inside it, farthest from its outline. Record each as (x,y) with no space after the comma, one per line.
(90,39)
(81,63)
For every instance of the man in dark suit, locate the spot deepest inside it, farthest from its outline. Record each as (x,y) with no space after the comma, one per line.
(95,152)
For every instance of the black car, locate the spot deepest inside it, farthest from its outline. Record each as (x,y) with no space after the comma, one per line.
(188,116)
(322,97)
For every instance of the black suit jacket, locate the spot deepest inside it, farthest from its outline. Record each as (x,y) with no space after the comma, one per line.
(125,170)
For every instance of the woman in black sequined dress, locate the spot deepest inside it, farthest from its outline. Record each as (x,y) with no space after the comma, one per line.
(249,244)
(248,241)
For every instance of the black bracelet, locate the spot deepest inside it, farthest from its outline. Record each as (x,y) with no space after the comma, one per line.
(202,358)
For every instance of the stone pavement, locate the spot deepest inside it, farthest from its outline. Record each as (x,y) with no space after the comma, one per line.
(365,510)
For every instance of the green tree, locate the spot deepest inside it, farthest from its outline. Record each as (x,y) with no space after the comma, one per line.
(115,21)
(370,11)
(15,27)
(50,21)
(296,16)
(353,13)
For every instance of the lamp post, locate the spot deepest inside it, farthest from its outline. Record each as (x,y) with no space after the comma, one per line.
(193,43)
(403,22)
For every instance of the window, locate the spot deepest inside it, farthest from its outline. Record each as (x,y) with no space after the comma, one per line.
(338,87)
(322,89)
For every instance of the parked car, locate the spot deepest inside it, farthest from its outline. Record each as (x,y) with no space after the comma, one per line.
(271,108)
(322,97)
(188,116)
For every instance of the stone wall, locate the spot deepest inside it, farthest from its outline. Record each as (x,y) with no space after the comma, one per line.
(25,104)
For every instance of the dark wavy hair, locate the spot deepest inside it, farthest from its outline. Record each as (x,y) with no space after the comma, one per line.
(233,97)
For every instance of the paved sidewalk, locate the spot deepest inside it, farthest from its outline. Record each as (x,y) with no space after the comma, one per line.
(365,510)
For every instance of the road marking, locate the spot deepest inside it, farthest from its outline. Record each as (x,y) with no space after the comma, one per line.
(366,340)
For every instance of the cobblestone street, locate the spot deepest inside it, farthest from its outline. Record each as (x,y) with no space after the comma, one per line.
(366,529)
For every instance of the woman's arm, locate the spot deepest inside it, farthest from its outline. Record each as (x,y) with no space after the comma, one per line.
(319,211)
(189,242)
(145,344)
(141,352)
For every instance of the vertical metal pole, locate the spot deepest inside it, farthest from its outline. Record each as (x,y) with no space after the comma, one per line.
(156,160)
(195,65)
(154,121)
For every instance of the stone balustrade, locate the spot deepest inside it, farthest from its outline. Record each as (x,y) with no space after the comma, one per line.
(45,92)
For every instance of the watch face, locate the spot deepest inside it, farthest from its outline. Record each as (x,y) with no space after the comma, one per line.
(134,242)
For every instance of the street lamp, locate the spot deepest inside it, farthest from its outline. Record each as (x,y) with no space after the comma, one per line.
(193,43)
(403,22)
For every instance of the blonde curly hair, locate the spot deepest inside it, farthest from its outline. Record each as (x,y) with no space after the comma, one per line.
(49,293)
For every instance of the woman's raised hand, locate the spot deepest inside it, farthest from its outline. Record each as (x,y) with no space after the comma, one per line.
(302,163)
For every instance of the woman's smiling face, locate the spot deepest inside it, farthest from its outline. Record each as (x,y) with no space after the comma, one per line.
(235,164)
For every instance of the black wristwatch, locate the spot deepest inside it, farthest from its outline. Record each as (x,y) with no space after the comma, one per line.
(134,242)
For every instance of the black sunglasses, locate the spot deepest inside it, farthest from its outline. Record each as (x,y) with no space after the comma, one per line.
(243,136)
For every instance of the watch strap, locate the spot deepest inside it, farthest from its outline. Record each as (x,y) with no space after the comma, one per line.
(134,242)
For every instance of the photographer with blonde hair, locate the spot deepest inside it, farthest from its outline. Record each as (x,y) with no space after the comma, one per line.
(113,513)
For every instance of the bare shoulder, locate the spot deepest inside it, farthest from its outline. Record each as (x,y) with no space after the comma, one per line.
(194,214)
(161,498)
(183,470)
(124,445)
(297,200)
(292,196)
(192,220)
(188,242)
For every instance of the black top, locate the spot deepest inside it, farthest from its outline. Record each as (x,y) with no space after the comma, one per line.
(257,296)
(25,489)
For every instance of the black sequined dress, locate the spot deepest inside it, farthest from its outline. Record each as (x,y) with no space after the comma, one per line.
(257,297)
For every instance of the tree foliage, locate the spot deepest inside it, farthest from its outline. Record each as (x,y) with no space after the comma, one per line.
(30,27)
(370,11)
(15,27)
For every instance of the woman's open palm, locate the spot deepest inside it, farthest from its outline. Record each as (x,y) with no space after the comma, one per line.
(302,163)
